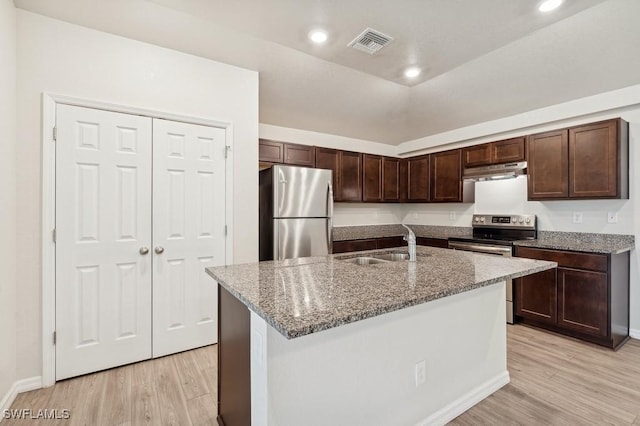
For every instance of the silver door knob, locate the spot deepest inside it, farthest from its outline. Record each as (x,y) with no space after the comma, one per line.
(159,250)
(144,250)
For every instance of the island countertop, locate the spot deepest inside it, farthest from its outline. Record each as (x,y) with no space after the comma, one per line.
(307,295)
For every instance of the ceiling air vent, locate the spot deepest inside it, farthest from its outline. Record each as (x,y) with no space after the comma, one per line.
(370,41)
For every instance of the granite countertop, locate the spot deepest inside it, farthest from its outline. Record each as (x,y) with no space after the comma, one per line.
(307,295)
(342,233)
(581,241)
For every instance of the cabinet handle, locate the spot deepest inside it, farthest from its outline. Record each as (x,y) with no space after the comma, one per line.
(144,250)
(159,250)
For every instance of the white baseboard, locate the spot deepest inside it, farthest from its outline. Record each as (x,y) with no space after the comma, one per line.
(635,334)
(462,404)
(19,386)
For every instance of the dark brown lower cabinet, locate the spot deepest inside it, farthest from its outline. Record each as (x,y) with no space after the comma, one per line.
(586,297)
(432,242)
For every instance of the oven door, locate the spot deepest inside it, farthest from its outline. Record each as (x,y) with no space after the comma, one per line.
(496,250)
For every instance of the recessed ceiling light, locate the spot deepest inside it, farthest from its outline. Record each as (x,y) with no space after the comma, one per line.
(549,5)
(318,36)
(412,72)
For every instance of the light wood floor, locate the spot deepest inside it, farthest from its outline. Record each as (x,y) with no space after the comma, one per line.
(554,380)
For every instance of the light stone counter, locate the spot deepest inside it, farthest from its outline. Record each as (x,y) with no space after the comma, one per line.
(302,296)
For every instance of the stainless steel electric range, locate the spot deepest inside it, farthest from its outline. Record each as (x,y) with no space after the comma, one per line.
(495,234)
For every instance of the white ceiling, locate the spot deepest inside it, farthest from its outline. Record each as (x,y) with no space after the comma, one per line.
(482,60)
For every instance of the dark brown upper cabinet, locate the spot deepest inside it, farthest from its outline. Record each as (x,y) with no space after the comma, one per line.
(270,151)
(446,176)
(327,158)
(508,151)
(403,180)
(598,160)
(286,153)
(391,179)
(371,178)
(477,155)
(582,162)
(299,155)
(349,186)
(500,152)
(548,165)
(418,179)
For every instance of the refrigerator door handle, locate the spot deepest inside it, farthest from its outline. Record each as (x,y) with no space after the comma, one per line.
(329,218)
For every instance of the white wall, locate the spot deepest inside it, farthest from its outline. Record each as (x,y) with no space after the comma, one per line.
(8,281)
(345,214)
(61,58)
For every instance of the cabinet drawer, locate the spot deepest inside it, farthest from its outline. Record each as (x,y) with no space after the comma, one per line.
(354,245)
(432,242)
(588,261)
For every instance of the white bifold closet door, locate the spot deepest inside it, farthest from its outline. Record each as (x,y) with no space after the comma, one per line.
(103,225)
(188,233)
(140,212)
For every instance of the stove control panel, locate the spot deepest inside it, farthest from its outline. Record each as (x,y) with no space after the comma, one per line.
(525,221)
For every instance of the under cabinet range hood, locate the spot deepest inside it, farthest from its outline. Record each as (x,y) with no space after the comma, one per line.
(496,172)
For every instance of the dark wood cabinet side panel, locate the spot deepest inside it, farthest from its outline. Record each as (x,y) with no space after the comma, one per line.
(432,242)
(350,172)
(536,296)
(371,178)
(477,155)
(548,174)
(619,297)
(594,160)
(418,179)
(299,155)
(588,261)
(446,176)
(270,151)
(583,301)
(508,151)
(234,360)
(390,179)
(327,158)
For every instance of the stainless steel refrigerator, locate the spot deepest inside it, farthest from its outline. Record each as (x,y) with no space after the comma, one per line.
(296,209)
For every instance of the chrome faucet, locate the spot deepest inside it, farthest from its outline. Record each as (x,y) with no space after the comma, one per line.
(410,238)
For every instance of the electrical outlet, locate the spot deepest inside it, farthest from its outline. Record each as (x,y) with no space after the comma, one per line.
(612,217)
(421,373)
(577,217)
(452,216)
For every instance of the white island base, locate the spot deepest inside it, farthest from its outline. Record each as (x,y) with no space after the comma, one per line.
(364,373)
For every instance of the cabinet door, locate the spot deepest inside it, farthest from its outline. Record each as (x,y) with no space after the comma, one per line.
(508,151)
(403,180)
(593,160)
(327,158)
(536,296)
(446,176)
(354,245)
(418,179)
(390,179)
(582,301)
(349,176)
(432,242)
(372,178)
(478,155)
(548,172)
(299,155)
(270,151)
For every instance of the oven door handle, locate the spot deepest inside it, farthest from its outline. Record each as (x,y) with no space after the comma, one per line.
(480,248)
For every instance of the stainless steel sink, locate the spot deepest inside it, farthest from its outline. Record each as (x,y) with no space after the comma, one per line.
(392,257)
(365,260)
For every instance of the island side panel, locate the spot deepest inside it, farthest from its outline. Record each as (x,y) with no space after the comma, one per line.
(234,366)
(363,373)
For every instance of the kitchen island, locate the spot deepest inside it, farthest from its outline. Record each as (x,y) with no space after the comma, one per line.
(327,341)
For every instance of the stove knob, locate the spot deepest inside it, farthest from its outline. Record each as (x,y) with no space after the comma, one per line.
(477,219)
(482,219)
(527,220)
(514,219)
(520,220)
